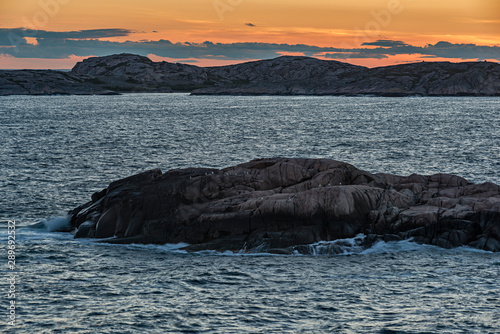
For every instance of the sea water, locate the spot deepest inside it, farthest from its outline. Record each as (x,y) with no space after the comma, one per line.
(57,150)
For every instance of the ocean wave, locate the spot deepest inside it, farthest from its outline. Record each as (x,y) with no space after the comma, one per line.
(347,246)
(168,248)
(340,247)
(55,224)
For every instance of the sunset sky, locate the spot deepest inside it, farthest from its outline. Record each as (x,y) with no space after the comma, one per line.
(58,33)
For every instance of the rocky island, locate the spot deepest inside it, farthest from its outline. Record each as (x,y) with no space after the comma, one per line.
(281,205)
(286,75)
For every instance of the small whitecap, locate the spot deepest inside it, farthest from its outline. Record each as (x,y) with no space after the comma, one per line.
(56,224)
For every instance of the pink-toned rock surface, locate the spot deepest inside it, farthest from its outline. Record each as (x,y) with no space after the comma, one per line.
(277,204)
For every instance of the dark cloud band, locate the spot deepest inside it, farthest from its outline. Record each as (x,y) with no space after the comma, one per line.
(7,36)
(59,45)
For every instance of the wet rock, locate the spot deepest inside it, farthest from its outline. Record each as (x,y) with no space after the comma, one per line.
(86,230)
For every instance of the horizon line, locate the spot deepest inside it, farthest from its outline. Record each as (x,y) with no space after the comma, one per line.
(237,62)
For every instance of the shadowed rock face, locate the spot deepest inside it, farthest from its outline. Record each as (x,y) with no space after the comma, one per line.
(278,204)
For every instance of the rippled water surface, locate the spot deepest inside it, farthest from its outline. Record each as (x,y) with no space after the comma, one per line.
(56,151)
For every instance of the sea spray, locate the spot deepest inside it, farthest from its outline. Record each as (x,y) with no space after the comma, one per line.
(336,247)
(56,224)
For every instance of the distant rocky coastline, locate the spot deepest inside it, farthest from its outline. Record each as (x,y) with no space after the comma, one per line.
(281,205)
(287,75)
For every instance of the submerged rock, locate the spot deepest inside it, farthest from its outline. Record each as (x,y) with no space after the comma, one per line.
(278,204)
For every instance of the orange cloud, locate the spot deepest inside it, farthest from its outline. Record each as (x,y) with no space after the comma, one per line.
(343,24)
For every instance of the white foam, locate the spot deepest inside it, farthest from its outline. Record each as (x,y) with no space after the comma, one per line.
(473,250)
(352,246)
(242,252)
(347,246)
(174,247)
(55,224)
(178,248)
(165,248)
(383,247)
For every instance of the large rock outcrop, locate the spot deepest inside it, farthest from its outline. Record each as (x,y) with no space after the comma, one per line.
(286,75)
(280,204)
(134,73)
(309,76)
(48,82)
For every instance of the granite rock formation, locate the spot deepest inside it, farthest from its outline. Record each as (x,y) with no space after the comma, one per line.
(286,75)
(48,82)
(133,73)
(309,76)
(280,205)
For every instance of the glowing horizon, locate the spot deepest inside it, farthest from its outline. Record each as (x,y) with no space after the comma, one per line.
(71,30)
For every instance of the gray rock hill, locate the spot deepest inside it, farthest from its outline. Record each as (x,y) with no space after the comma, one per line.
(48,82)
(286,75)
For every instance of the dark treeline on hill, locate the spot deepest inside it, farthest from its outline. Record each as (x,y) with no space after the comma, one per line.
(287,75)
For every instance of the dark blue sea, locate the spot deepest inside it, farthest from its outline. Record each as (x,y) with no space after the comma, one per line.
(55,151)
